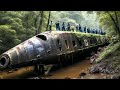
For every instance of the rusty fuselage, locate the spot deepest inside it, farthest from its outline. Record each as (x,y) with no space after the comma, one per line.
(49,48)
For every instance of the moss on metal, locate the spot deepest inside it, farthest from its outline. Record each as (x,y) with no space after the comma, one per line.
(81,34)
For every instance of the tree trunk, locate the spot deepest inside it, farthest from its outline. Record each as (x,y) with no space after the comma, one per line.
(48,21)
(27,25)
(41,21)
(117,22)
(117,28)
(35,23)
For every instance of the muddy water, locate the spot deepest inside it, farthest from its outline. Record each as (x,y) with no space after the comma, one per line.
(71,71)
(16,74)
(74,71)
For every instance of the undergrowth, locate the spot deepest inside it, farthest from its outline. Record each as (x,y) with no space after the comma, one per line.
(111,50)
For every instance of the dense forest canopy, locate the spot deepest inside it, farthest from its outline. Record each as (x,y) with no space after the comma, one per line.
(18,26)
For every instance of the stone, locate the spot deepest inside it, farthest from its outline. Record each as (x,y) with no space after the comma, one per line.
(82,74)
(67,78)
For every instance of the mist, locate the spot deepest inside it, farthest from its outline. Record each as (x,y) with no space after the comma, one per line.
(77,17)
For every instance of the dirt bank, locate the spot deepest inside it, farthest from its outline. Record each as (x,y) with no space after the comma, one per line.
(110,64)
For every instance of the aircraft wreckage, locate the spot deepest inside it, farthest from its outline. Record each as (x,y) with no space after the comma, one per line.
(50,47)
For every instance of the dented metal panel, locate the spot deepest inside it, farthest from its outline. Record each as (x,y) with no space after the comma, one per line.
(39,50)
(75,42)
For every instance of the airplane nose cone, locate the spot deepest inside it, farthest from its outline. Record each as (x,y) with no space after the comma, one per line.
(3,62)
